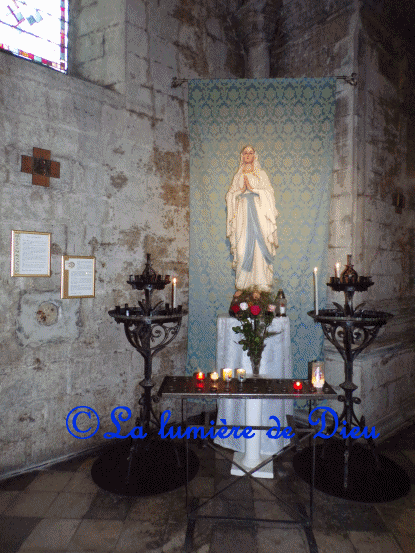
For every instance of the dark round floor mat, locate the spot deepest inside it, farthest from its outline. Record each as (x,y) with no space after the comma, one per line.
(158,468)
(366,482)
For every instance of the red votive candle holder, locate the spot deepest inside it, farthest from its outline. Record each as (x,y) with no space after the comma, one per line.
(200,376)
(297,385)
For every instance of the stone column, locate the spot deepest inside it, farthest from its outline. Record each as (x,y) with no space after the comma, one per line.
(256,21)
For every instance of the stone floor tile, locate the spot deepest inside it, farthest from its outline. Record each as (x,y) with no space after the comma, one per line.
(174,538)
(405,502)
(86,464)
(138,537)
(240,488)
(50,481)
(407,543)
(206,467)
(228,539)
(201,486)
(41,550)
(333,543)
(70,505)
(18,483)
(34,504)
(5,500)
(342,517)
(96,535)
(211,507)
(14,531)
(270,510)
(81,482)
(368,542)
(410,454)
(51,534)
(403,461)
(73,464)
(283,540)
(400,521)
(259,492)
(154,509)
(109,506)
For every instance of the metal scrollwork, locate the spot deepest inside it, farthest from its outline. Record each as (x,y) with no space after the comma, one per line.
(350,331)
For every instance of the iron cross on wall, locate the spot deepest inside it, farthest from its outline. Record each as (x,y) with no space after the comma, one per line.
(41,167)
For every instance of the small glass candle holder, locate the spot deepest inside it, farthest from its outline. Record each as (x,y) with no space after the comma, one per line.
(317,374)
(240,375)
(227,375)
(297,385)
(200,377)
(214,377)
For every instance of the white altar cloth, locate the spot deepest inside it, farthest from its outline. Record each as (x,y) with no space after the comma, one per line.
(275,363)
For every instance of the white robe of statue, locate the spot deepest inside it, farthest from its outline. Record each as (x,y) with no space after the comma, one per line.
(251,224)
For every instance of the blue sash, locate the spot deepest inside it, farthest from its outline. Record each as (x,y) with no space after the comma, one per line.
(253,234)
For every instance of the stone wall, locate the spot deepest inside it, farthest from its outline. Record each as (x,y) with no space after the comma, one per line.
(372,161)
(119,131)
(386,236)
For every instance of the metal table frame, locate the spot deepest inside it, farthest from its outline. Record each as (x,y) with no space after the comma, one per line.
(187,388)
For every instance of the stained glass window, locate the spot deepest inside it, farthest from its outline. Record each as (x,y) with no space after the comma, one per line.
(36,30)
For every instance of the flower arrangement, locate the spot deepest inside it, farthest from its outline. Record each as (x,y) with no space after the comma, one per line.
(255,309)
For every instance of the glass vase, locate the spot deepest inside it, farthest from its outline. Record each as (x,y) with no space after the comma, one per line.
(255,364)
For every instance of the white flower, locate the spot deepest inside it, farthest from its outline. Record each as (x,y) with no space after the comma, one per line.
(243,306)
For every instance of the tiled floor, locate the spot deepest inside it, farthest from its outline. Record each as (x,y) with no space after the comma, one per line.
(61,510)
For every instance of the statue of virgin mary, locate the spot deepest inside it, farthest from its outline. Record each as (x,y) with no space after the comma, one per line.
(251,224)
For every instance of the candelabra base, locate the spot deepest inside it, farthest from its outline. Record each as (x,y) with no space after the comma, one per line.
(158,467)
(367,481)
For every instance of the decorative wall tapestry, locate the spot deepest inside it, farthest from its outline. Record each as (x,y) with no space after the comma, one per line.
(289,122)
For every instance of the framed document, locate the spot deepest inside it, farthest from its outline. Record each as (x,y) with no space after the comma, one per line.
(30,254)
(78,276)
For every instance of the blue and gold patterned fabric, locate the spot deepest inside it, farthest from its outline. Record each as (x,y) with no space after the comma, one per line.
(289,122)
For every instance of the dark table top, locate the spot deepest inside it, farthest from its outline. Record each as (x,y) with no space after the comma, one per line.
(254,388)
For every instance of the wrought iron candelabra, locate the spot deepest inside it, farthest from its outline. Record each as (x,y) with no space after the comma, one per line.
(149,330)
(344,468)
(351,331)
(146,466)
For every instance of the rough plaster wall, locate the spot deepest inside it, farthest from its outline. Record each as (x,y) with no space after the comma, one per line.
(123,192)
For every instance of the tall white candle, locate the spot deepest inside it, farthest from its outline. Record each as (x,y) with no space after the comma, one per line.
(173,293)
(316,290)
(337,270)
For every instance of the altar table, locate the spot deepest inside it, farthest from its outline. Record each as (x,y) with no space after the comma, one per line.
(275,364)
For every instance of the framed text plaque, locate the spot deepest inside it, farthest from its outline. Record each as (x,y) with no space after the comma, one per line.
(78,277)
(30,254)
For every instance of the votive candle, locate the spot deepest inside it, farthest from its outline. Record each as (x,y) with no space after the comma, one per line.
(227,374)
(241,375)
(317,374)
(200,376)
(214,377)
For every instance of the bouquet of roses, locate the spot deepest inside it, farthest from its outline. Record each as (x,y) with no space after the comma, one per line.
(255,310)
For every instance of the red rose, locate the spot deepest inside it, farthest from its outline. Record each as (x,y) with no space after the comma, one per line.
(255,309)
(235,308)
